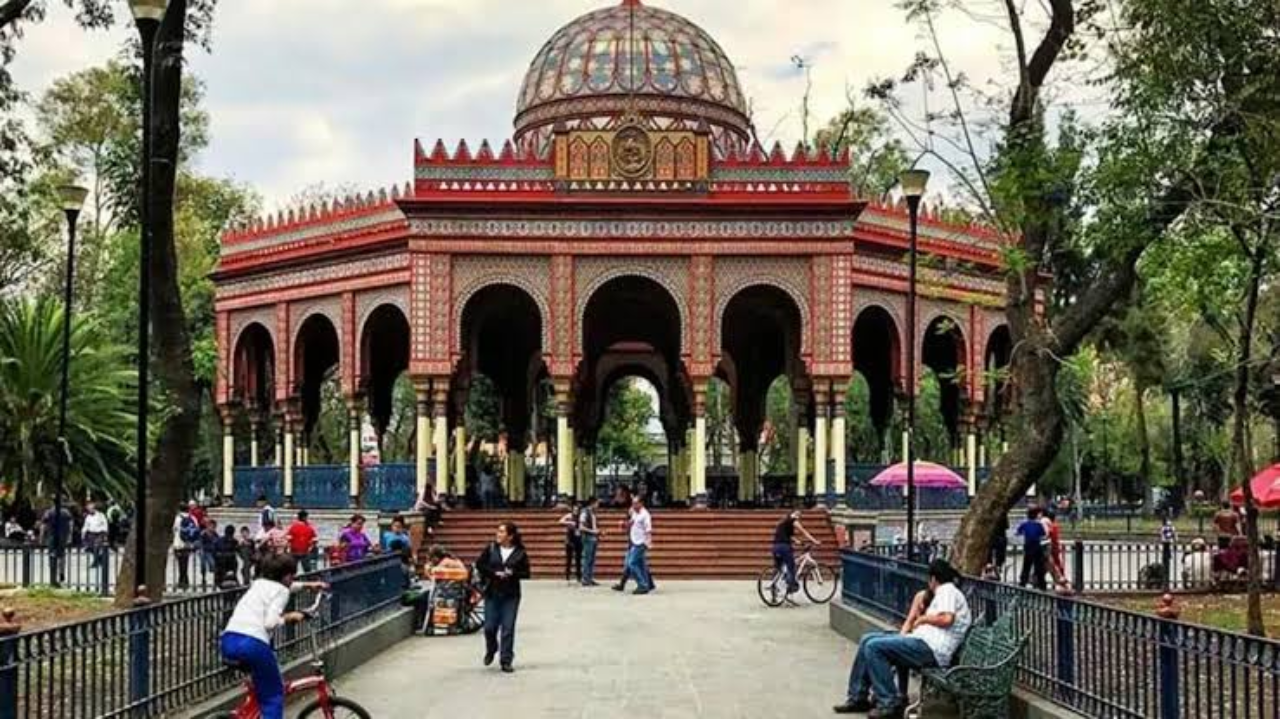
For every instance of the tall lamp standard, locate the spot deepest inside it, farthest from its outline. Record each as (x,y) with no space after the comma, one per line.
(913,184)
(147,15)
(72,198)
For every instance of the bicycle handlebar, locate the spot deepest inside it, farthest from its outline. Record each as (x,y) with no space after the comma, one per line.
(314,609)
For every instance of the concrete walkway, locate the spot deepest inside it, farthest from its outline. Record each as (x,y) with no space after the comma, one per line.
(692,649)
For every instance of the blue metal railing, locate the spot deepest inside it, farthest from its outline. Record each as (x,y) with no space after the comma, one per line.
(883,498)
(392,487)
(157,660)
(251,482)
(1097,660)
(324,487)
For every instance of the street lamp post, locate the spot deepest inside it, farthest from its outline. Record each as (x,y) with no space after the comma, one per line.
(72,198)
(147,14)
(913,184)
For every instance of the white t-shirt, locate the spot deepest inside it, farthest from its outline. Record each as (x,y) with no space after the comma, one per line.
(95,523)
(260,610)
(944,642)
(506,552)
(641,527)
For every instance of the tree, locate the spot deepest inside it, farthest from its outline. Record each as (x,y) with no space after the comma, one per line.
(623,440)
(876,156)
(777,451)
(100,418)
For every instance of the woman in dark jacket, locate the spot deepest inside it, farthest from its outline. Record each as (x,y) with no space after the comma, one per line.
(502,565)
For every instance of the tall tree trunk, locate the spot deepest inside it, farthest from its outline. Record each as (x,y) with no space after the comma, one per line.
(1144,442)
(1179,478)
(1239,444)
(179,435)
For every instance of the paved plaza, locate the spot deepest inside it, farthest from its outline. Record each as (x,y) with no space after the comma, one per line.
(692,649)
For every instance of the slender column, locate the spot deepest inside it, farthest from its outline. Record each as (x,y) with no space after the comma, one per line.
(515,486)
(440,409)
(802,462)
(971,446)
(821,434)
(255,426)
(679,475)
(353,451)
(564,452)
(838,449)
(460,460)
(289,457)
(279,438)
(982,452)
(699,479)
(228,455)
(422,435)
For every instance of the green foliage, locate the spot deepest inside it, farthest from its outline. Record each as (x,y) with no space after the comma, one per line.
(623,440)
(100,421)
(877,157)
(484,416)
(777,450)
(863,441)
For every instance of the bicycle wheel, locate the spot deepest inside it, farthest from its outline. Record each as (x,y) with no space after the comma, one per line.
(771,586)
(338,708)
(820,583)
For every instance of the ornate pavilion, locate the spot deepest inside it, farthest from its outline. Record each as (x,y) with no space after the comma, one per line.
(632,227)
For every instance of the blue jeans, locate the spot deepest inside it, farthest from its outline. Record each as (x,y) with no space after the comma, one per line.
(589,544)
(784,556)
(879,655)
(638,566)
(500,622)
(260,659)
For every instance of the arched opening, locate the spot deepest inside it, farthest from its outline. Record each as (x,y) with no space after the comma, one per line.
(384,358)
(319,387)
(497,387)
(630,449)
(998,356)
(877,352)
(943,353)
(253,386)
(632,310)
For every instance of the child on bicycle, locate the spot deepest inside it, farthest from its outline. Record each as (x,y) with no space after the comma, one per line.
(246,640)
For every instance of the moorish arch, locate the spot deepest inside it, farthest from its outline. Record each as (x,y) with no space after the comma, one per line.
(474,275)
(384,355)
(316,360)
(996,359)
(877,356)
(253,366)
(669,276)
(733,275)
(944,350)
(762,332)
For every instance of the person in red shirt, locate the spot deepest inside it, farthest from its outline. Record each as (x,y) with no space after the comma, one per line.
(302,542)
(1057,567)
(197,513)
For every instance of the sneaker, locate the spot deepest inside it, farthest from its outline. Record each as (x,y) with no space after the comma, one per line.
(853,705)
(887,711)
(488,659)
(640,591)
(508,668)
(619,587)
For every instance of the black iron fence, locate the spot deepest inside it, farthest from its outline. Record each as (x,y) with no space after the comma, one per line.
(94,571)
(156,660)
(1116,565)
(1097,660)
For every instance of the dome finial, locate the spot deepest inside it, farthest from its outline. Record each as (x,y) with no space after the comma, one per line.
(631,3)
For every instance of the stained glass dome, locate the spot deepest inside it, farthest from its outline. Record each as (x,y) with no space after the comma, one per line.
(632,58)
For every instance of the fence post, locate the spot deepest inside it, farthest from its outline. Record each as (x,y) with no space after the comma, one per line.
(9,665)
(1170,705)
(104,572)
(1166,561)
(26,565)
(1077,566)
(1066,647)
(140,657)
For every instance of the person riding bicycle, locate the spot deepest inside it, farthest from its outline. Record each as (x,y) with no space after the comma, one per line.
(246,640)
(784,555)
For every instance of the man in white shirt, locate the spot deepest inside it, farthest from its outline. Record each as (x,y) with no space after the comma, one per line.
(94,534)
(933,631)
(641,536)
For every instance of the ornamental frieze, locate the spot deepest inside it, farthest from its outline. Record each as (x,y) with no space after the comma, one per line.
(671,273)
(633,229)
(471,274)
(327,229)
(791,275)
(320,273)
(930,278)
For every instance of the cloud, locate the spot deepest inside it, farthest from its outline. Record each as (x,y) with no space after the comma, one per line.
(308,91)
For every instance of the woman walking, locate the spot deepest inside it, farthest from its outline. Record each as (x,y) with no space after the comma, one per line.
(502,565)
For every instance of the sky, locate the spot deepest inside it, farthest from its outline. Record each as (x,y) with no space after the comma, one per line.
(307,92)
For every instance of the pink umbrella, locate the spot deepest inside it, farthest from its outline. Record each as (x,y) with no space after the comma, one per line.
(1266,489)
(928,475)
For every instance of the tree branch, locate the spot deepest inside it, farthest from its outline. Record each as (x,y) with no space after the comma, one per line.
(11,11)
(1062,24)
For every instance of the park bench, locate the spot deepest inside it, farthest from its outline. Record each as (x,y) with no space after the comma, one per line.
(981,675)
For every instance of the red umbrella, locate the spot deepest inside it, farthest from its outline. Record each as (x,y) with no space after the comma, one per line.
(1266,489)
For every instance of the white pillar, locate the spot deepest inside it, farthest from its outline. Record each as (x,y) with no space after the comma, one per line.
(564,456)
(442,450)
(254,427)
(821,434)
(982,454)
(288,461)
(353,451)
(460,460)
(906,440)
(699,479)
(838,451)
(228,459)
(422,433)
(279,438)
(971,448)
(802,461)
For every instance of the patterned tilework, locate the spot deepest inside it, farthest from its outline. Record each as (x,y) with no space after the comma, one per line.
(348,349)
(317,273)
(370,300)
(791,275)
(360,222)
(633,229)
(441,271)
(473,273)
(222,387)
(562,283)
(419,312)
(331,308)
(284,354)
(705,345)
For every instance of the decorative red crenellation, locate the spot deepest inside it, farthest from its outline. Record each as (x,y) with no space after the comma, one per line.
(325,213)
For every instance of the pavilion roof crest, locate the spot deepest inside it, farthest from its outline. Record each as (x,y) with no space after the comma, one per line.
(355,213)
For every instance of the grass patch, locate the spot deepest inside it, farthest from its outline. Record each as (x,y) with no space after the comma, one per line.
(41,607)
(1225,612)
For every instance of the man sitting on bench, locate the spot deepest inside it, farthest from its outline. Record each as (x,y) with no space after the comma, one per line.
(933,631)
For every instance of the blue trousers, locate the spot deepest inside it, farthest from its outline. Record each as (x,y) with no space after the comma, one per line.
(589,544)
(879,656)
(638,566)
(784,556)
(500,624)
(258,656)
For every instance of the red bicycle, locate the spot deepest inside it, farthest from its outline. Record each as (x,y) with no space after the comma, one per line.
(326,704)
